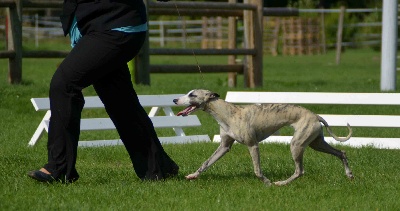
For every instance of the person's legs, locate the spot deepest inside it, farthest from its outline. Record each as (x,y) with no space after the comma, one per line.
(132,122)
(134,127)
(92,58)
(66,104)
(97,58)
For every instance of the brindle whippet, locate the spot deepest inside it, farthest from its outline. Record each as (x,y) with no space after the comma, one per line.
(253,123)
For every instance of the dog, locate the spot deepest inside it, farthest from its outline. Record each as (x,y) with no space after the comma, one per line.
(251,124)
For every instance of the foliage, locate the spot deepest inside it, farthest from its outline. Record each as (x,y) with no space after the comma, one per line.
(303,3)
(373,32)
(331,23)
(333,3)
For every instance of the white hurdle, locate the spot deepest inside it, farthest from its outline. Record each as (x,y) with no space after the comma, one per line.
(157,102)
(374,121)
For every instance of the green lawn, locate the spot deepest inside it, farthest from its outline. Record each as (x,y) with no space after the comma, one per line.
(107,179)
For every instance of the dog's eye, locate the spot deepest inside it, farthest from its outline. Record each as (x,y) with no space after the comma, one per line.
(192,95)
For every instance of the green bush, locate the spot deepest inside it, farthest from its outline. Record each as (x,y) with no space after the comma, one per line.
(331,27)
(372,30)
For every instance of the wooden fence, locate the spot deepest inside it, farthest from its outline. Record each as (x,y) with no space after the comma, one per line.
(252,13)
(301,36)
(220,21)
(250,10)
(205,32)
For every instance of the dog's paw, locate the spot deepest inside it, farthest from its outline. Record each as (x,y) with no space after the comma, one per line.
(280,183)
(266,181)
(268,184)
(191,176)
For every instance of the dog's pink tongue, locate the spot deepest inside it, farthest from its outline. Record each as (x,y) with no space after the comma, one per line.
(184,112)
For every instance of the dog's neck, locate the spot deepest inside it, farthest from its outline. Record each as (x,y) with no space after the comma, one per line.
(222,111)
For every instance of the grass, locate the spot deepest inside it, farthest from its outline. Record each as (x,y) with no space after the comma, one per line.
(109,183)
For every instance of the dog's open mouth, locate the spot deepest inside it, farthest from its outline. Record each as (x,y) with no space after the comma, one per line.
(188,110)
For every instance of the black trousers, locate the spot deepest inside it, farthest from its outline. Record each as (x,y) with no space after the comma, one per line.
(100,59)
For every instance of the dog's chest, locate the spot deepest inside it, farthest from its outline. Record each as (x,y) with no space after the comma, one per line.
(231,131)
(239,133)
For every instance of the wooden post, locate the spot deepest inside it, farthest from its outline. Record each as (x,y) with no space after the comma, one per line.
(258,36)
(142,60)
(204,32)
(253,32)
(232,36)
(219,33)
(248,43)
(323,39)
(14,42)
(339,34)
(162,33)
(184,33)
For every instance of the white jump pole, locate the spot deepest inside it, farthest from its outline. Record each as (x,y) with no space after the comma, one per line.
(389,45)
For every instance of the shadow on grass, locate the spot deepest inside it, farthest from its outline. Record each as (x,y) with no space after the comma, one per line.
(24,82)
(281,175)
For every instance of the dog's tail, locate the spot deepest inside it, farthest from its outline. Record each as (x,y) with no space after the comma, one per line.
(332,134)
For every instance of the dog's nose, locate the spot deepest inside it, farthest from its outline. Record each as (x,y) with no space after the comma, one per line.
(175,100)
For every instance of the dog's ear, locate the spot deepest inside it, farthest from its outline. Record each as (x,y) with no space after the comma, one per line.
(214,95)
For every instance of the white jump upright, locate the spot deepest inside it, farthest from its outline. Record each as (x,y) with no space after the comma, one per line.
(389,45)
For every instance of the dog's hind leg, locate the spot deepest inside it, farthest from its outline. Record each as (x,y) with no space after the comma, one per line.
(255,155)
(301,138)
(223,148)
(319,144)
(297,155)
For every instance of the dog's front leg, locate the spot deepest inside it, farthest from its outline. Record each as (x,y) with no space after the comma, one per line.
(255,155)
(223,148)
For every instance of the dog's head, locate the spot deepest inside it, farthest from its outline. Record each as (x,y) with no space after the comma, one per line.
(195,99)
